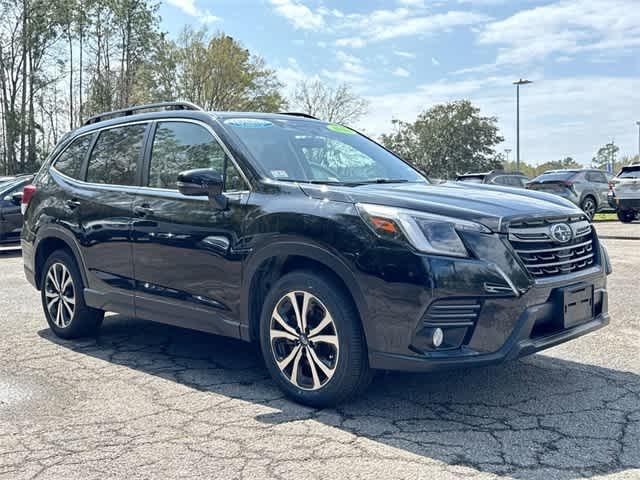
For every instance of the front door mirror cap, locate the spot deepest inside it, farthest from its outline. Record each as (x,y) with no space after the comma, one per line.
(203,181)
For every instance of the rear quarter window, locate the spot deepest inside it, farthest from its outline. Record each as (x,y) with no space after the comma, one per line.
(71,159)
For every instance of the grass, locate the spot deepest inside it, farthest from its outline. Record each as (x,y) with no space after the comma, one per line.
(605,217)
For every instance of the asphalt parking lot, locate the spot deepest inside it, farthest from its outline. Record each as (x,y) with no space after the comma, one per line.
(151,401)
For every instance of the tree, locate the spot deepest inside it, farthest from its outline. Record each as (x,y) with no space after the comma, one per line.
(217,73)
(447,140)
(336,105)
(606,155)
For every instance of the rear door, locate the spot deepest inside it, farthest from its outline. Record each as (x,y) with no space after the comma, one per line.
(187,253)
(600,185)
(104,207)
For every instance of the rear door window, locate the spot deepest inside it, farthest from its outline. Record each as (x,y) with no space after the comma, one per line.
(596,177)
(70,161)
(115,156)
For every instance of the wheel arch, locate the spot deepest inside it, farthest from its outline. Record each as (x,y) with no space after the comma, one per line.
(50,240)
(270,263)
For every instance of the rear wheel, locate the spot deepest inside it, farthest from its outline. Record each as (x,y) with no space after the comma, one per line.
(312,340)
(63,301)
(626,216)
(589,207)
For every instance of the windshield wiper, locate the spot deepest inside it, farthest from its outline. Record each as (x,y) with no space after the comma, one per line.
(385,180)
(322,182)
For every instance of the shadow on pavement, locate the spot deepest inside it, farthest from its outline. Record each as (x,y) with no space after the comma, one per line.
(540,418)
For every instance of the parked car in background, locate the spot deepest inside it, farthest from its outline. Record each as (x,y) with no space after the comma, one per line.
(496,177)
(624,193)
(587,188)
(10,200)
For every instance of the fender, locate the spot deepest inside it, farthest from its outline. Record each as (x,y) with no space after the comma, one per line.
(60,233)
(294,246)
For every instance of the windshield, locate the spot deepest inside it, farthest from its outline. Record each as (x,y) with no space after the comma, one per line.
(554,177)
(311,151)
(633,172)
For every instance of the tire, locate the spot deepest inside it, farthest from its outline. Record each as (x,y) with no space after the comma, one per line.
(68,315)
(626,216)
(343,371)
(589,206)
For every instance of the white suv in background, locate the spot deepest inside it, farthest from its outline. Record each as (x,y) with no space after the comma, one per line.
(625,193)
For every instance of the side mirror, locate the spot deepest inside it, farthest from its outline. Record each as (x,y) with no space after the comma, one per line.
(16,198)
(203,181)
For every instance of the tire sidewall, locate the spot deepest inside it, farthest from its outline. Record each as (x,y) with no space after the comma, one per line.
(595,206)
(347,326)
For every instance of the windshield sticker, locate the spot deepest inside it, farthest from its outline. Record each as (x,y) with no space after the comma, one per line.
(340,129)
(279,174)
(248,123)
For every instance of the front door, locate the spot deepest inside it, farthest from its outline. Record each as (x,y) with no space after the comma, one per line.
(187,254)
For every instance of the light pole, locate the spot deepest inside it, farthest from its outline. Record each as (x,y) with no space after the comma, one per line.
(517,84)
(507,151)
(638,123)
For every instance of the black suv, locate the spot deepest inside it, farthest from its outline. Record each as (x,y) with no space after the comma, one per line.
(308,238)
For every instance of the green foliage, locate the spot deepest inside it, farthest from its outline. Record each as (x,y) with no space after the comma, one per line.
(605,155)
(447,140)
(218,73)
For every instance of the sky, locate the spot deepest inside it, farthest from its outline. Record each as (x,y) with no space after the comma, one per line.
(404,56)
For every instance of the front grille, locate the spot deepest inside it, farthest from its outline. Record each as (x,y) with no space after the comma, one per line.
(544,256)
(452,313)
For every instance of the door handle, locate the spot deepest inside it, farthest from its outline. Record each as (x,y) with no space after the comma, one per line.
(142,210)
(73,203)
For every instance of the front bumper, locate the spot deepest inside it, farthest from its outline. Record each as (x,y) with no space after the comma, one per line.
(521,342)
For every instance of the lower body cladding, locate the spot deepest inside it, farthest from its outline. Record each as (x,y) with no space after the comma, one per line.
(487,327)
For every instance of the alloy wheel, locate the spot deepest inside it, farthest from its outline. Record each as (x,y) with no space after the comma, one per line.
(60,295)
(304,340)
(589,207)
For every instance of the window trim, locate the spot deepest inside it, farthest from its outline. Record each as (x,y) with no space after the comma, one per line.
(146,164)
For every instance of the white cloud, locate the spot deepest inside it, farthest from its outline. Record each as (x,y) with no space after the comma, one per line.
(190,8)
(559,117)
(400,72)
(565,27)
(435,62)
(380,25)
(412,3)
(400,53)
(299,15)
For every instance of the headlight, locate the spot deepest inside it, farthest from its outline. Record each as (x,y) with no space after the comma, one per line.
(426,232)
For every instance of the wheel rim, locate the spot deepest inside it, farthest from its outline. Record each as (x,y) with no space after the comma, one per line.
(60,295)
(589,208)
(304,340)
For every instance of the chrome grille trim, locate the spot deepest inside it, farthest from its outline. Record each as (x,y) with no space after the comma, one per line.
(546,258)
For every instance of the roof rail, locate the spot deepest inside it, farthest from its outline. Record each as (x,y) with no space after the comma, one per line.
(124,112)
(299,114)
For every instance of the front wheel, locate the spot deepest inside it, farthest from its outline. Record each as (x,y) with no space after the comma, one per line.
(589,207)
(63,300)
(626,216)
(312,340)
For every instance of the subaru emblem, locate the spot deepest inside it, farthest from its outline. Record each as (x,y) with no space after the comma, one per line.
(561,232)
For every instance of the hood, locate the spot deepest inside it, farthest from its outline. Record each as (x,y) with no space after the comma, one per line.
(490,205)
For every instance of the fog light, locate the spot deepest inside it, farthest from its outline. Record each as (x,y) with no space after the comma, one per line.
(437,337)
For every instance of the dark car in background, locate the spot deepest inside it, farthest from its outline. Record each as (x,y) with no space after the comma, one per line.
(10,214)
(587,188)
(495,177)
(331,253)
